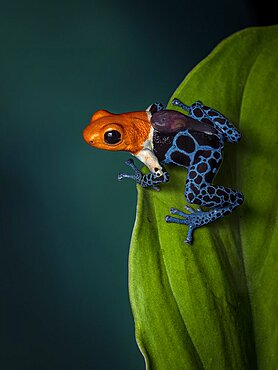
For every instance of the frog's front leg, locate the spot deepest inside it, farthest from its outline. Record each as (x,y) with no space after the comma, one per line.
(148,180)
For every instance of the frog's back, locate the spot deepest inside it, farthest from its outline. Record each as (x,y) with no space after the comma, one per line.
(182,148)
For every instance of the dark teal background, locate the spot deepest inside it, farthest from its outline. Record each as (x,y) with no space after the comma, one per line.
(66,221)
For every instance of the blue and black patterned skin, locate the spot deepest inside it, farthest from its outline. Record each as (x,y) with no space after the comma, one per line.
(194,141)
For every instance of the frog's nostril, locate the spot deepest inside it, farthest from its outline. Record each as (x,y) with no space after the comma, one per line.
(91,141)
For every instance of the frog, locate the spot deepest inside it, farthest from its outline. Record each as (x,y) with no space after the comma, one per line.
(193,138)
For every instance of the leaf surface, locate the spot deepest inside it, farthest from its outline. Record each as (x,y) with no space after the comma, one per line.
(213,305)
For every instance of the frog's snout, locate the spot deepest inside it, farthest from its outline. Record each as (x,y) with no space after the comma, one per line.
(88,136)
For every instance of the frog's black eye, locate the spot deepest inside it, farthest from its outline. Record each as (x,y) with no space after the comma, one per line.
(112,137)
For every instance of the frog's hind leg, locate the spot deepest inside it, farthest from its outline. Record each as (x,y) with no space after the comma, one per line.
(200,191)
(205,114)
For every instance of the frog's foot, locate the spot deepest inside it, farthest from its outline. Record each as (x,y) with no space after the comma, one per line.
(150,180)
(137,176)
(194,220)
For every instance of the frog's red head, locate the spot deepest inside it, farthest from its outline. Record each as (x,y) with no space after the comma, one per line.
(127,131)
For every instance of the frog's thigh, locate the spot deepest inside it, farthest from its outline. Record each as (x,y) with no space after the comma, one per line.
(200,175)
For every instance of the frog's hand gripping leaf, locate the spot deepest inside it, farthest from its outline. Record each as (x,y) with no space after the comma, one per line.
(171,121)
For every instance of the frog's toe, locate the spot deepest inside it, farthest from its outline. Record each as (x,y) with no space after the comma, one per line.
(129,162)
(189,237)
(192,210)
(175,211)
(120,176)
(176,220)
(189,209)
(125,176)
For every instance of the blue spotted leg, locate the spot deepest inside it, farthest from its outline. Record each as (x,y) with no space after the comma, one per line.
(149,180)
(202,155)
(205,114)
(225,200)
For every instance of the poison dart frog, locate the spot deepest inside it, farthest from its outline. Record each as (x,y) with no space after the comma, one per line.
(158,136)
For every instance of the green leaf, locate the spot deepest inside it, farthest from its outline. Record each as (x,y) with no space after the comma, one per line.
(213,305)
